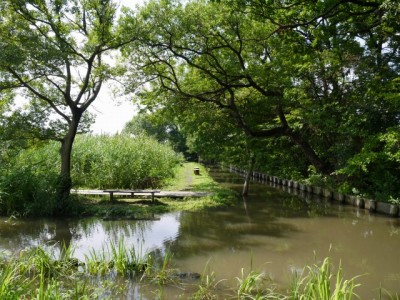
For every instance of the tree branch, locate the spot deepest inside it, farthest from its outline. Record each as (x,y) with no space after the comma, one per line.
(39,95)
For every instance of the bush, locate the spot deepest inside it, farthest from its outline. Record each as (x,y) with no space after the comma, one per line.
(28,179)
(374,171)
(27,182)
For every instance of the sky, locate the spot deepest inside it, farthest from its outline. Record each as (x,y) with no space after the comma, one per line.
(112,113)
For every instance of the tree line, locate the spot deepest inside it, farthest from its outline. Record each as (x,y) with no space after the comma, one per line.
(306,90)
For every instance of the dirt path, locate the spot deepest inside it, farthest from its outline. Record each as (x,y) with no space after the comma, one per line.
(189,177)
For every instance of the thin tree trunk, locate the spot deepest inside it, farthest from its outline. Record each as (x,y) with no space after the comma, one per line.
(250,168)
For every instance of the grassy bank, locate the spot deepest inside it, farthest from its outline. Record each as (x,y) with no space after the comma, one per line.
(184,180)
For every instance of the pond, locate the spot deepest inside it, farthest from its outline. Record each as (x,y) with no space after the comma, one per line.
(270,231)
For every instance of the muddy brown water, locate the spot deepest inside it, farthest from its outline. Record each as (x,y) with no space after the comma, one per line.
(270,231)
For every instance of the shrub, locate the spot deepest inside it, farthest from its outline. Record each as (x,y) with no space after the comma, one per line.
(27,182)
(28,179)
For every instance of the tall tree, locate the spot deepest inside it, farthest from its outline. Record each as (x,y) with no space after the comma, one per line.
(220,56)
(163,128)
(314,73)
(54,55)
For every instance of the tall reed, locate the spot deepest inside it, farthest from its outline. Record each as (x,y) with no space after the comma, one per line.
(36,274)
(316,283)
(161,273)
(116,258)
(96,263)
(28,179)
(207,287)
(122,161)
(12,283)
(27,182)
(126,260)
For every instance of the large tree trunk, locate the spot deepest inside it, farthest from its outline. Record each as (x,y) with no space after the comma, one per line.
(309,152)
(64,184)
(321,166)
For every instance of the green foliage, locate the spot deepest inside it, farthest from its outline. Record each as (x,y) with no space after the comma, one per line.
(29,179)
(127,261)
(161,127)
(27,184)
(12,285)
(301,87)
(162,273)
(54,58)
(40,274)
(45,46)
(374,170)
(251,286)
(319,283)
(184,179)
(122,162)
(119,259)
(97,263)
(206,288)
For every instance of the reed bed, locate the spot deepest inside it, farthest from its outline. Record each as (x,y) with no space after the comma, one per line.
(117,259)
(122,161)
(28,179)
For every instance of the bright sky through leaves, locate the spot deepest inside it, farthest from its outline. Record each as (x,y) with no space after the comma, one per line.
(112,112)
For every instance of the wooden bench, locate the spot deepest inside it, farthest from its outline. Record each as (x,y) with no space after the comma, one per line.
(131,192)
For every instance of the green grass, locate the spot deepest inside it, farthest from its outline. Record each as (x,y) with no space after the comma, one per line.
(29,178)
(184,180)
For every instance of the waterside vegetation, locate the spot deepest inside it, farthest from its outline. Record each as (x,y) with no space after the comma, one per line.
(29,177)
(111,273)
(305,188)
(305,92)
(184,180)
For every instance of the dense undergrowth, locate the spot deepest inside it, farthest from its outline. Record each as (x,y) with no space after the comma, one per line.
(373,172)
(28,178)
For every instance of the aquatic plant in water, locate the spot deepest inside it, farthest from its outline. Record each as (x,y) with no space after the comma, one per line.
(39,274)
(127,260)
(315,283)
(116,258)
(162,274)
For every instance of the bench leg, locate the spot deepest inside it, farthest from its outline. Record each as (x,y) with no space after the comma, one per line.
(152,197)
(111,196)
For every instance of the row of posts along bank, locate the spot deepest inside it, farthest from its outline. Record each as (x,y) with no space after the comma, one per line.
(292,186)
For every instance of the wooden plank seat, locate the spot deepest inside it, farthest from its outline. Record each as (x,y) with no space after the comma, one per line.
(132,193)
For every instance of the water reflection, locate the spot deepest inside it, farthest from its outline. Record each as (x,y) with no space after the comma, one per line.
(278,232)
(87,234)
